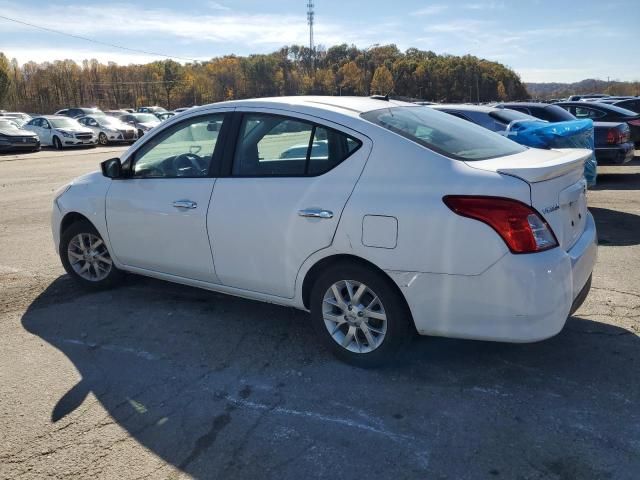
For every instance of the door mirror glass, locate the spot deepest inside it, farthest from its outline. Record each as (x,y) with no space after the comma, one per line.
(112,168)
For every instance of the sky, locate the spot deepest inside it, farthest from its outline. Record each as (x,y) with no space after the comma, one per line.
(542,40)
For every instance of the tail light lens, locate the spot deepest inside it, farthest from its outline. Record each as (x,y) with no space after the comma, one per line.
(519,225)
(612,136)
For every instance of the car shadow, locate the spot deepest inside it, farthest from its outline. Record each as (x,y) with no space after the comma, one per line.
(222,387)
(616,228)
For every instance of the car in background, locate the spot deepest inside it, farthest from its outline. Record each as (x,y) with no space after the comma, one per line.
(13,138)
(116,113)
(79,112)
(143,122)
(155,110)
(109,129)
(606,113)
(632,104)
(611,139)
(464,234)
(612,100)
(61,132)
(493,118)
(24,117)
(165,115)
(576,98)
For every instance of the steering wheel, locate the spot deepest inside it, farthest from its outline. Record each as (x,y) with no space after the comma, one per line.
(187,161)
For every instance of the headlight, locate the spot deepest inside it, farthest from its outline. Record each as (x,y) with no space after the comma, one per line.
(66,134)
(61,191)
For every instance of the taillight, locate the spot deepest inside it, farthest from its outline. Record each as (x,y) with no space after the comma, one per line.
(634,122)
(613,136)
(519,225)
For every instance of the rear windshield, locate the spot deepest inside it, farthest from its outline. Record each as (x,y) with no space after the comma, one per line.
(444,133)
(507,116)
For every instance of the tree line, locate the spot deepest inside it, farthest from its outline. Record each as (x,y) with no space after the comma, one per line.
(548,91)
(293,70)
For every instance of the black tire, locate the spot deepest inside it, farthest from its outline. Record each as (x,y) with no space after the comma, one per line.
(102,139)
(140,133)
(398,327)
(57,144)
(85,227)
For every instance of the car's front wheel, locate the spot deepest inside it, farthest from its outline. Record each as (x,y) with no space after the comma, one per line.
(359,314)
(86,258)
(102,139)
(57,144)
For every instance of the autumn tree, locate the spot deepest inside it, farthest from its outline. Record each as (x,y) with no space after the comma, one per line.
(351,78)
(382,81)
(5,78)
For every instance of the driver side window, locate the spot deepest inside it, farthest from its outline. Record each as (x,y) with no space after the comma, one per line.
(184,150)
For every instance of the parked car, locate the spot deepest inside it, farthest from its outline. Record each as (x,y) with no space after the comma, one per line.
(632,104)
(493,118)
(79,112)
(19,115)
(412,220)
(61,132)
(606,113)
(576,98)
(165,115)
(499,119)
(611,139)
(143,122)
(14,138)
(109,129)
(153,110)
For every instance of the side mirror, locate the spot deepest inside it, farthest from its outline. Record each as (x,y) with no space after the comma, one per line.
(112,168)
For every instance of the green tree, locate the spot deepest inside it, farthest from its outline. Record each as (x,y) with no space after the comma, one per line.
(5,78)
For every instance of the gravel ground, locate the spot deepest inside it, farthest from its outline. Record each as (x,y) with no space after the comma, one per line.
(153,380)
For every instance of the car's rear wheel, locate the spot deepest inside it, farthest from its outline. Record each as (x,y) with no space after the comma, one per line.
(86,258)
(140,133)
(57,144)
(102,139)
(359,314)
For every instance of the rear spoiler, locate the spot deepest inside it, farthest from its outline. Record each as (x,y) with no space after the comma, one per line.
(572,159)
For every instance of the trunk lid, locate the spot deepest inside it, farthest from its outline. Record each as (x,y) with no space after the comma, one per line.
(557,184)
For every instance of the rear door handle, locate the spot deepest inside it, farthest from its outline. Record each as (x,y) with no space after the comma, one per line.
(184,204)
(315,213)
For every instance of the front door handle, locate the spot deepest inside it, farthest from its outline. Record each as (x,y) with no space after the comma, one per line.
(184,204)
(315,213)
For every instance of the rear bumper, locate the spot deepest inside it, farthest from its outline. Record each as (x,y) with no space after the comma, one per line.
(521,298)
(619,154)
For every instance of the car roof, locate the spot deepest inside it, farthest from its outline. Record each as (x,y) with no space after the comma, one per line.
(349,106)
(53,117)
(604,106)
(526,104)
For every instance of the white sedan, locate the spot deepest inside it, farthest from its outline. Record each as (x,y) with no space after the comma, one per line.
(61,132)
(109,129)
(396,219)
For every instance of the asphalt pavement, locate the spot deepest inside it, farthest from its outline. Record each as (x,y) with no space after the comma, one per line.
(160,381)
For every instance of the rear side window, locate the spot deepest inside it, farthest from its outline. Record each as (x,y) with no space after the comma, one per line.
(273,145)
(443,133)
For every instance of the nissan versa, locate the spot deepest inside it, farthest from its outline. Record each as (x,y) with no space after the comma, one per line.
(379,217)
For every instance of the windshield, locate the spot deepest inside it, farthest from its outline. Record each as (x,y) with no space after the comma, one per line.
(8,125)
(110,121)
(64,123)
(443,133)
(146,118)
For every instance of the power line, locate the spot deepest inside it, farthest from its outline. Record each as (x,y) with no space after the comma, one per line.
(79,37)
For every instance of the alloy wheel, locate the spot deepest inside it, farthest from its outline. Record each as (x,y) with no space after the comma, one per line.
(89,257)
(354,316)
(102,138)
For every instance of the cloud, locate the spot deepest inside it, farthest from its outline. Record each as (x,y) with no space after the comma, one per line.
(217,6)
(430,10)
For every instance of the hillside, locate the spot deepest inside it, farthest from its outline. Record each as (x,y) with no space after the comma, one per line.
(546,91)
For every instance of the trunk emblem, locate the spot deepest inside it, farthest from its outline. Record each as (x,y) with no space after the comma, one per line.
(551,209)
